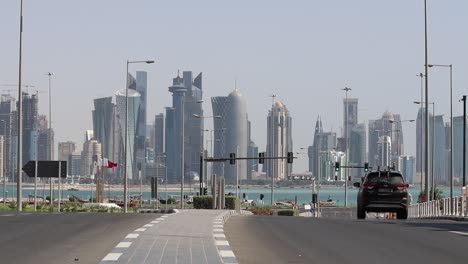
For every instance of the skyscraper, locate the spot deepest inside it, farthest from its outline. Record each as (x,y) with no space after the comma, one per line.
(187,94)
(133,110)
(141,87)
(385,150)
(159,135)
(91,150)
(7,103)
(103,114)
(279,141)
(65,149)
(357,150)
(352,115)
(440,152)
(236,135)
(407,169)
(43,140)
(219,106)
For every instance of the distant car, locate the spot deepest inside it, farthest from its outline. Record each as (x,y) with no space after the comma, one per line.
(382,191)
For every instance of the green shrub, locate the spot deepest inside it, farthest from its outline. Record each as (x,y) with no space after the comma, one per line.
(12,205)
(261,210)
(203,202)
(288,212)
(232,203)
(171,201)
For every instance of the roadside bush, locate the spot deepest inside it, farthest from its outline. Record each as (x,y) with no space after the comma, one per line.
(12,205)
(171,201)
(232,203)
(203,202)
(24,205)
(261,210)
(288,213)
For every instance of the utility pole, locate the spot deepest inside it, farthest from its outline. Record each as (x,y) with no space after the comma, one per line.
(346,89)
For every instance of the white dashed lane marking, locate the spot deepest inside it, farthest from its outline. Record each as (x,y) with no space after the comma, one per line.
(112,257)
(123,245)
(140,230)
(226,254)
(132,236)
(221,243)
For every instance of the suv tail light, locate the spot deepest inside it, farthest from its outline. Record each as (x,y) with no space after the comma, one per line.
(401,186)
(369,186)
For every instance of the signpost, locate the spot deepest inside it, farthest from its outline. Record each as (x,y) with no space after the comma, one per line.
(46,169)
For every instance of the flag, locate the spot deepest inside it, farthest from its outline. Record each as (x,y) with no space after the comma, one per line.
(111,164)
(106,163)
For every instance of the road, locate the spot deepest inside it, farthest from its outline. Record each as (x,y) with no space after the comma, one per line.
(280,239)
(63,238)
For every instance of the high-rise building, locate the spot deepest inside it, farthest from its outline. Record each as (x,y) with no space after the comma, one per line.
(159,135)
(74,164)
(91,150)
(187,94)
(2,157)
(219,106)
(406,165)
(7,103)
(65,149)
(44,137)
(133,110)
(235,140)
(279,141)
(30,121)
(252,164)
(103,124)
(439,152)
(458,149)
(357,150)
(389,125)
(385,150)
(323,143)
(352,117)
(141,87)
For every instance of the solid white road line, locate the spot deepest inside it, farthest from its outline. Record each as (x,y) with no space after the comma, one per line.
(459,233)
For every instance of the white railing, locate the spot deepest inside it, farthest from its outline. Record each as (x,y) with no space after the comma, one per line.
(445,207)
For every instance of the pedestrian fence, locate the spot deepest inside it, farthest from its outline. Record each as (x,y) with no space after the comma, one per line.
(442,208)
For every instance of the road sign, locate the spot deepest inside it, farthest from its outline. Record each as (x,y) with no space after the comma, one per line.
(46,168)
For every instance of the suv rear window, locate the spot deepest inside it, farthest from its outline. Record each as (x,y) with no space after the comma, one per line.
(387,177)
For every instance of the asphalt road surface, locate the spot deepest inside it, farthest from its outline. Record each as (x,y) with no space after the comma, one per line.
(63,238)
(281,239)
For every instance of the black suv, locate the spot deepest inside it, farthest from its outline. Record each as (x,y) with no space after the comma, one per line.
(382,191)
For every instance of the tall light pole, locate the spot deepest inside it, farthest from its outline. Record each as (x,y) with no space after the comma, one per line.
(4,159)
(49,137)
(426,189)
(126,133)
(20,118)
(421,75)
(451,122)
(346,89)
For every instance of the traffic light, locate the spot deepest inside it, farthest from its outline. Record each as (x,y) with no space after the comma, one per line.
(366,167)
(290,157)
(337,166)
(205,191)
(232,158)
(262,196)
(349,178)
(336,177)
(261,157)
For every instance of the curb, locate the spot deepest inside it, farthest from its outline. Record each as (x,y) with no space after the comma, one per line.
(157,211)
(453,218)
(222,245)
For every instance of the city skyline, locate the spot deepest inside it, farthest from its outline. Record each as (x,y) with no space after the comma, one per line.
(257,72)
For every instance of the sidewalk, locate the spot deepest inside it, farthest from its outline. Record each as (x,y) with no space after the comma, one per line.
(183,237)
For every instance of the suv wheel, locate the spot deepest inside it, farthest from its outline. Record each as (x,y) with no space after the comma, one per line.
(361,214)
(403,214)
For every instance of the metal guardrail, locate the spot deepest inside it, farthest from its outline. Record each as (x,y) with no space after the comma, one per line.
(442,208)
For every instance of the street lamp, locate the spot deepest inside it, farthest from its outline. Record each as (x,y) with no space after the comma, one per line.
(126,134)
(426,191)
(20,117)
(346,89)
(451,123)
(4,159)
(49,136)
(427,146)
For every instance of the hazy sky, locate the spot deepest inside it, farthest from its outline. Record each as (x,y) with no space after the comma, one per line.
(303,51)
